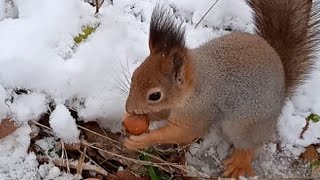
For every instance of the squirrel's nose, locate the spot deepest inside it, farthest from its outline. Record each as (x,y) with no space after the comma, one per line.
(133,111)
(129,109)
(130,112)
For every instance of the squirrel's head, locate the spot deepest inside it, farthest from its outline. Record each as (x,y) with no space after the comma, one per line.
(164,80)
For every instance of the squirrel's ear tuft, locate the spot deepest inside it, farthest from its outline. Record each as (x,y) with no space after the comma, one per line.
(165,34)
(177,66)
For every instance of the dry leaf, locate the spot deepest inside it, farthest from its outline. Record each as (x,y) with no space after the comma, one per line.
(310,154)
(7,126)
(72,147)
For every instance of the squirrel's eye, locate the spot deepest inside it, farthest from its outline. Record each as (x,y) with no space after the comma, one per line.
(155,96)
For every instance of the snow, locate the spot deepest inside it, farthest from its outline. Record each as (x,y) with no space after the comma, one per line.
(28,107)
(8,9)
(14,162)
(49,171)
(293,119)
(38,54)
(47,146)
(53,173)
(3,106)
(64,125)
(235,13)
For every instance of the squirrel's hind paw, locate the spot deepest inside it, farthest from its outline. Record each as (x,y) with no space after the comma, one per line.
(239,164)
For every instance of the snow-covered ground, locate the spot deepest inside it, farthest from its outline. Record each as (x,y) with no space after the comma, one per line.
(38,53)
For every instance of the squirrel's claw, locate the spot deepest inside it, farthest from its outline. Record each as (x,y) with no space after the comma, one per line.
(239,164)
(137,142)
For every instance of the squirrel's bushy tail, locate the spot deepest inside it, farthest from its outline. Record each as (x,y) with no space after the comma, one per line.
(292,28)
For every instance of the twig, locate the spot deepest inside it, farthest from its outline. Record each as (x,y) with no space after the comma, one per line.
(95,163)
(64,154)
(104,131)
(163,162)
(146,163)
(206,13)
(41,125)
(93,132)
(126,158)
(159,165)
(81,160)
(74,165)
(98,6)
(305,128)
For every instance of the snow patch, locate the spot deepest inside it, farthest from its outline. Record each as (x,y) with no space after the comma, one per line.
(64,125)
(15,163)
(28,107)
(3,106)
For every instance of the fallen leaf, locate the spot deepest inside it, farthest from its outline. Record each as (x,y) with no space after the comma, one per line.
(7,126)
(310,154)
(72,147)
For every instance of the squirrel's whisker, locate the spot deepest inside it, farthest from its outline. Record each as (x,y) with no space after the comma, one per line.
(125,74)
(120,84)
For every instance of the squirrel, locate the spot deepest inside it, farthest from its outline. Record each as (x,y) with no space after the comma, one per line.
(238,83)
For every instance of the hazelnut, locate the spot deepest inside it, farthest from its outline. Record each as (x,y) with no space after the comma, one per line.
(136,124)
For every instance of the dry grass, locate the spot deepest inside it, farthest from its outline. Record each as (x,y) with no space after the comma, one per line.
(80,165)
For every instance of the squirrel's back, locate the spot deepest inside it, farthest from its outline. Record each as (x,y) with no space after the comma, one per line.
(240,69)
(239,73)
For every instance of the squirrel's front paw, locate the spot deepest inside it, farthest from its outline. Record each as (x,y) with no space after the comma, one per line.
(137,142)
(239,164)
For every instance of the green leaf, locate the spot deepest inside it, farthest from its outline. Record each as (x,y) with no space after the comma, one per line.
(153,172)
(151,169)
(314,118)
(315,164)
(86,31)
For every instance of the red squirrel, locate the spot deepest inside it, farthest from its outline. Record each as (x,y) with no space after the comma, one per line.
(238,82)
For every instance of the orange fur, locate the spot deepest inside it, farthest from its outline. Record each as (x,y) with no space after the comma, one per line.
(239,164)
